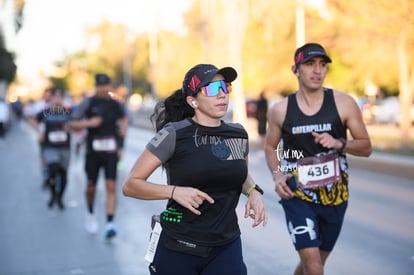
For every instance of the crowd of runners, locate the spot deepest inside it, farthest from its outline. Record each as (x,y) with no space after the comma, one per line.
(95,126)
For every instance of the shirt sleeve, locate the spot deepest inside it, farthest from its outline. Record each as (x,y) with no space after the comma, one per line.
(122,110)
(162,145)
(80,111)
(39,116)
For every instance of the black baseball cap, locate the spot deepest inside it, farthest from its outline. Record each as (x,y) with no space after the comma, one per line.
(102,79)
(200,75)
(309,51)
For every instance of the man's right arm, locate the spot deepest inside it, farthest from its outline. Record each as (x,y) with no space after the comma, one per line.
(36,122)
(93,122)
(273,137)
(79,120)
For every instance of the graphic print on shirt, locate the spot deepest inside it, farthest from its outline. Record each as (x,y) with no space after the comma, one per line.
(305,129)
(54,119)
(225,149)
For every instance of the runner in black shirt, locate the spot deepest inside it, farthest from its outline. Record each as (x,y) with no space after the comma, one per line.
(55,145)
(205,160)
(30,112)
(106,121)
(307,140)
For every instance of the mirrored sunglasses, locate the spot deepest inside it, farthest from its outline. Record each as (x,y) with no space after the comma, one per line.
(213,88)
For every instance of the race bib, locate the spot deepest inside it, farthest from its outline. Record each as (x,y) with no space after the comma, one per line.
(152,246)
(104,144)
(57,136)
(319,171)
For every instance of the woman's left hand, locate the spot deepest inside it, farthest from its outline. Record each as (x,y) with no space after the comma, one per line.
(256,209)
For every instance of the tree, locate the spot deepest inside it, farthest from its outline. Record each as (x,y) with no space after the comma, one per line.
(377,38)
(109,47)
(7,66)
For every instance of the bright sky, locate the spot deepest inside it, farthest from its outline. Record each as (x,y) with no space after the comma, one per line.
(52,28)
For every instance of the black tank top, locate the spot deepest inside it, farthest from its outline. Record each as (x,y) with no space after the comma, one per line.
(298,127)
(298,142)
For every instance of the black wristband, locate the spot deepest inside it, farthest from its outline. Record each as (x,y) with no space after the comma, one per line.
(260,190)
(343,141)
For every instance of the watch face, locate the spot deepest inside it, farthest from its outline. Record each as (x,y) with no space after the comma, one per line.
(258,189)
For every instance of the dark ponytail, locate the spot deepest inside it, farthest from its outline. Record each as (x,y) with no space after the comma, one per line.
(173,108)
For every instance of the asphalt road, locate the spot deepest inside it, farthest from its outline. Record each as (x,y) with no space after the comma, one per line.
(377,237)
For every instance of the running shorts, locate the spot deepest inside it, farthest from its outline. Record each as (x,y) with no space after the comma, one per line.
(94,161)
(60,156)
(313,225)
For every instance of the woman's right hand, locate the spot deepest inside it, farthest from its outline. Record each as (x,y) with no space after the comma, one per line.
(191,198)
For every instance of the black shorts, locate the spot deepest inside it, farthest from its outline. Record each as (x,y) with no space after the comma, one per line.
(94,161)
(313,225)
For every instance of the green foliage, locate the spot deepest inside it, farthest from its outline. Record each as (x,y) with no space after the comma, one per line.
(59,82)
(360,36)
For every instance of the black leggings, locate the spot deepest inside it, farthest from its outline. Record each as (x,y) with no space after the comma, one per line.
(57,180)
(2,130)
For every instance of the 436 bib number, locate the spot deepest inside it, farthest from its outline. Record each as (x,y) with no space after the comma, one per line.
(316,171)
(319,171)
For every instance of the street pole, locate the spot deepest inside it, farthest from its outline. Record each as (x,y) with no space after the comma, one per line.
(127,64)
(237,21)
(300,24)
(153,49)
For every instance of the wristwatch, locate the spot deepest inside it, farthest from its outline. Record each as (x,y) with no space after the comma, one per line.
(255,186)
(343,141)
(260,190)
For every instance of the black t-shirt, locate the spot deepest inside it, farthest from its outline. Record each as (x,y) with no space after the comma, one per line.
(212,159)
(54,119)
(109,109)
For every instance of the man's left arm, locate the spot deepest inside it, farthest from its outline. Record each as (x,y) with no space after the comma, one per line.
(123,121)
(360,144)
